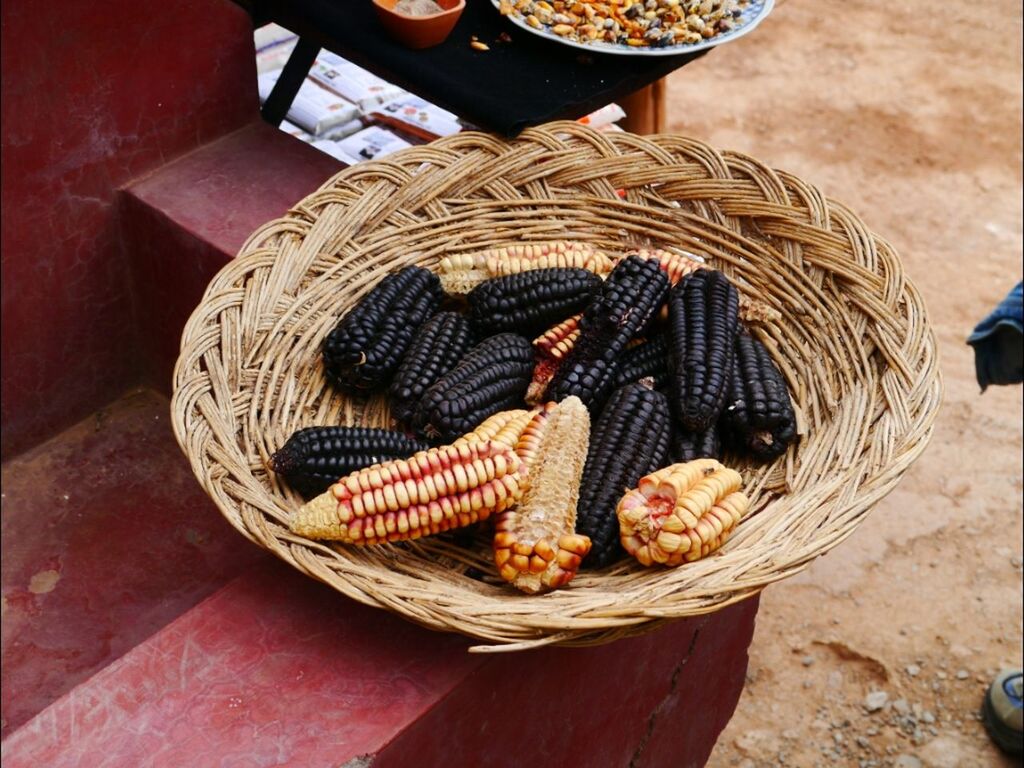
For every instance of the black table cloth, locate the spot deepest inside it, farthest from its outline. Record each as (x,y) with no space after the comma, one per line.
(525,81)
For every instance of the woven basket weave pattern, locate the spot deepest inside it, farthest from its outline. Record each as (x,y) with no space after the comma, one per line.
(854,345)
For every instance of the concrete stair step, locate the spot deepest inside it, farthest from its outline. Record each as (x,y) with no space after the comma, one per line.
(107,538)
(276,669)
(188,219)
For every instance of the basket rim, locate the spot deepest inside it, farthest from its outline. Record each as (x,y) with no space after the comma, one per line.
(550,624)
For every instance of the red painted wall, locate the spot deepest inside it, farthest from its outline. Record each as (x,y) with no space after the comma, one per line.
(94,94)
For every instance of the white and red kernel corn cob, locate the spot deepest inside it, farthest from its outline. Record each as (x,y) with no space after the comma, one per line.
(549,350)
(462,272)
(681,513)
(430,492)
(536,548)
(557,340)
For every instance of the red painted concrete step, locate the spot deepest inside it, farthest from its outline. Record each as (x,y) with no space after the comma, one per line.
(276,669)
(107,537)
(188,219)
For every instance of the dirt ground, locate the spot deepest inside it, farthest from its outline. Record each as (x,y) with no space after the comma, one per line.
(910,113)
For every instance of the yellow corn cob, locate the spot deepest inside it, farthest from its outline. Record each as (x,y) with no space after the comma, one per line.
(535,545)
(508,261)
(551,346)
(462,272)
(504,427)
(528,442)
(431,491)
(681,513)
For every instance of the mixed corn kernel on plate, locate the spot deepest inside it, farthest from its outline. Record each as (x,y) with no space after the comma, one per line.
(637,27)
(579,400)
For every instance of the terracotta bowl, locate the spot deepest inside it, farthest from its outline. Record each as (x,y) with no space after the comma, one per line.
(419,31)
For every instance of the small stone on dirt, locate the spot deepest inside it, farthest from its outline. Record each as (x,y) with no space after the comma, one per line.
(913,670)
(807,661)
(962,674)
(945,752)
(875,700)
(907,761)
(901,706)
(956,490)
(757,744)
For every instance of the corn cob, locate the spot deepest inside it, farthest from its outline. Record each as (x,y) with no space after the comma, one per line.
(430,492)
(646,360)
(364,350)
(758,419)
(460,273)
(681,513)
(704,320)
(674,265)
(312,459)
(438,345)
(529,302)
(688,446)
(629,298)
(518,429)
(492,377)
(504,427)
(556,341)
(629,440)
(550,348)
(529,438)
(535,546)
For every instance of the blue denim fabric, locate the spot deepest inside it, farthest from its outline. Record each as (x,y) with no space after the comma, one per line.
(998,343)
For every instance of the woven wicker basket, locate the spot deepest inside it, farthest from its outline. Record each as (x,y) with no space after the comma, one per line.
(854,343)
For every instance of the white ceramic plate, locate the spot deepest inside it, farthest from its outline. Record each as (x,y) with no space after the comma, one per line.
(750,17)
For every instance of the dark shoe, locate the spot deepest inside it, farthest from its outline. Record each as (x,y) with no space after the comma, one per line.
(1001,711)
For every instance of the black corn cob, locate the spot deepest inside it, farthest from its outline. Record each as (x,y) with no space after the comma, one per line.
(646,360)
(703,320)
(435,349)
(363,351)
(588,372)
(629,299)
(631,296)
(530,302)
(758,419)
(492,377)
(316,457)
(629,440)
(688,446)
